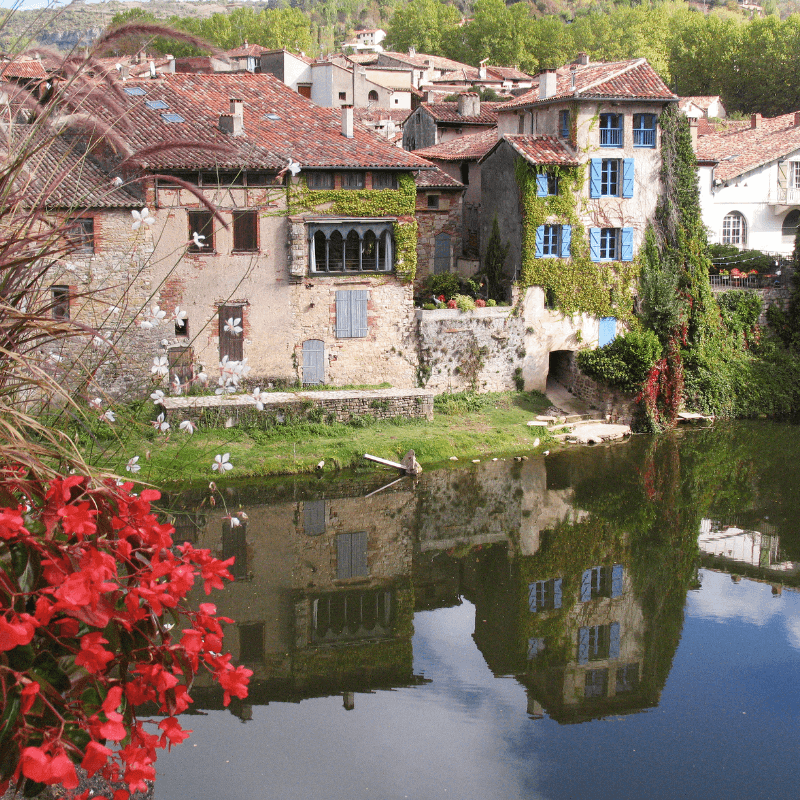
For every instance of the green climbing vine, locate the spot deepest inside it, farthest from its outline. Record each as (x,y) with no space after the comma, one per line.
(400,202)
(579,284)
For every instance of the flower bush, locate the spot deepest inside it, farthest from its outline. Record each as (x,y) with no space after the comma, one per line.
(94,625)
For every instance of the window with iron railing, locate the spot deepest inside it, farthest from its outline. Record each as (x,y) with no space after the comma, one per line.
(611,130)
(644,130)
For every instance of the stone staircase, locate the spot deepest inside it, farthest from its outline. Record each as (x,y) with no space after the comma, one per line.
(590,428)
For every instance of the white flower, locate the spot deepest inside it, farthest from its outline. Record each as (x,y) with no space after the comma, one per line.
(69,266)
(232,325)
(234,522)
(118,181)
(176,385)
(179,314)
(157,396)
(187,426)
(114,310)
(160,366)
(132,465)
(222,463)
(95,402)
(259,397)
(198,238)
(142,217)
(202,377)
(145,325)
(108,416)
(160,424)
(164,343)
(156,315)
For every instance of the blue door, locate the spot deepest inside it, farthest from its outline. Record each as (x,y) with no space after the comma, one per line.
(608,330)
(313,364)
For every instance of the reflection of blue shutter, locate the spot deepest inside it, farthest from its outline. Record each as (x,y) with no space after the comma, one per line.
(557,593)
(594,243)
(586,586)
(627,245)
(613,642)
(541,185)
(358,312)
(566,240)
(535,646)
(532,598)
(343,315)
(617,572)
(539,241)
(595,167)
(627,177)
(583,646)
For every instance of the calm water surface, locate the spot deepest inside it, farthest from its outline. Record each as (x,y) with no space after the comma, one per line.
(618,622)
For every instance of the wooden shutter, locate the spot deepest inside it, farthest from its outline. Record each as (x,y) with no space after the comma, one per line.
(532,606)
(613,642)
(595,172)
(313,362)
(617,574)
(351,313)
(541,185)
(535,646)
(230,343)
(201,222)
(539,241)
(314,517)
(583,646)
(351,555)
(626,250)
(245,231)
(557,593)
(594,243)
(586,586)
(343,314)
(627,177)
(783,174)
(181,363)
(566,241)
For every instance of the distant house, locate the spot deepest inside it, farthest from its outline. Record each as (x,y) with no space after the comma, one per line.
(247,57)
(705,107)
(367,41)
(293,69)
(434,123)
(750,183)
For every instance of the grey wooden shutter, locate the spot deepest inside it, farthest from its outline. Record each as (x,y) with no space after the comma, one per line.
(358,313)
(557,593)
(617,573)
(583,646)
(313,361)
(613,644)
(351,555)
(532,605)
(342,314)
(783,170)
(586,586)
(314,517)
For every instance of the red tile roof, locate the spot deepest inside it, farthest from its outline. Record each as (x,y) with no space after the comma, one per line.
(398,115)
(628,80)
(436,179)
(23,69)
(423,60)
(303,131)
(739,151)
(539,149)
(245,50)
(465,148)
(508,73)
(447,113)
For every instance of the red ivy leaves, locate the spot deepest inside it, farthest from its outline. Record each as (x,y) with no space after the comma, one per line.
(86,573)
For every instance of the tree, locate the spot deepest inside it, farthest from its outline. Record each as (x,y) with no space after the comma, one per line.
(425,25)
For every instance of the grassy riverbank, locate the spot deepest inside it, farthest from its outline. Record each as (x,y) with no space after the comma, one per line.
(465,425)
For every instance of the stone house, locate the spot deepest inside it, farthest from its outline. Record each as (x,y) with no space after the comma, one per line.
(703,107)
(434,123)
(306,268)
(750,183)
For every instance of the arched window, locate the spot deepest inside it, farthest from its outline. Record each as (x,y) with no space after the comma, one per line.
(790,221)
(372,96)
(734,230)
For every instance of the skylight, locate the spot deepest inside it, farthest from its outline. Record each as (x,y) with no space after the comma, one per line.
(156,104)
(134,91)
(172,117)
(272,117)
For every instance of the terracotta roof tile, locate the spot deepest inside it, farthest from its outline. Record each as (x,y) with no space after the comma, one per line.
(508,73)
(246,50)
(540,149)
(465,148)
(436,179)
(23,69)
(741,150)
(447,113)
(632,80)
(422,60)
(307,133)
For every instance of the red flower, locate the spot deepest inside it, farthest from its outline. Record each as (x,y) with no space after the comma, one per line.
(16,632)
(39,766)
(172,732)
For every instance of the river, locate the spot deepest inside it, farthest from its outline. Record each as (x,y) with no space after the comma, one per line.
(607,622)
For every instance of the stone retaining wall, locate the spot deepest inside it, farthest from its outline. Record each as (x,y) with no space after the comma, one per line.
(282,407)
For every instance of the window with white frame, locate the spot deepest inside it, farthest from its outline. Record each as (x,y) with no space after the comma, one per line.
(794,174)
(734,229)
(351,247)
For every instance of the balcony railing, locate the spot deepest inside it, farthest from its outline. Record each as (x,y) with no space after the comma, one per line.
(760,281)
(644,137)
(785,196)
(611,137)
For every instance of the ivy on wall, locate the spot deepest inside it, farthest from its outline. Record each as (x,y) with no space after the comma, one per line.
(400,202)
(578,284)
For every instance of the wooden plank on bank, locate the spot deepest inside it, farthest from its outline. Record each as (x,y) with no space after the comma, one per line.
(385,462)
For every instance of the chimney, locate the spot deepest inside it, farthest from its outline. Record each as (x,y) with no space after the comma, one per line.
(755,121)
(125,72)
(469,104)
(482,72)
(412,51)
(171,64)
(237,107)
(547,84)
(347,121)
(693,125)
(582,59)
(152,69)
(233,123)
(797,119)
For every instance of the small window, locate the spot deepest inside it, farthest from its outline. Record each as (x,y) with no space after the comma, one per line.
(384,180)
(609,180)
(80,235)
(353,180)
(611,130)
(465,173)
(231,341)
(202,224)
(551,241)
(794,175)
(343,96)
(156,105)
(544,595)
(734,230)
(644,130)
(546,184)
(245,231)
(611,177)
(319,180)
(171,117)
(563,124)
(441,254)
(609,243)
(260,178)
(372,97)
(251,643)
(60,302)
(134,91)
(433,201)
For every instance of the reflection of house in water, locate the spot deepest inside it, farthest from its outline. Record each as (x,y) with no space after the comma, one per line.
(753,548)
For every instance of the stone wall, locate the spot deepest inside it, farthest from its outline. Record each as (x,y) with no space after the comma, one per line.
(431,223)
(217,410)
(478,349)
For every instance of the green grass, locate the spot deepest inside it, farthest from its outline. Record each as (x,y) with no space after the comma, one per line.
(465,425)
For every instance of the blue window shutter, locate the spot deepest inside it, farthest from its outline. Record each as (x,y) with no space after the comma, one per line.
(343,315)
(532,598)
(583,646)
(626,250)
(594,243)
(617,573)
(539,241)
(557,593)
(595,167)
(627,177)
(358,554)
(566,240)
(541,185)
(586,586)
(535,646)
(358,313)
(613,642)
(607,332)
